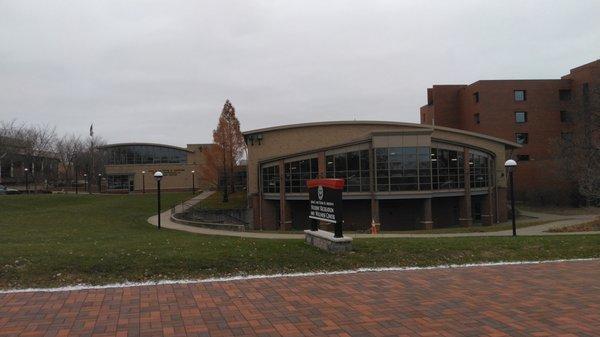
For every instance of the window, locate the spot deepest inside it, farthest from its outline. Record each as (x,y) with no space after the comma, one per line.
(585,88)
(520,116)
(476,97)
(523,157)
(118,182)
(522,138)
(144,154)
(270,179)
(565,117)
(520,95)
(476,118)
(352,166)
(403,168)
(564,94)
(298,172)
(566,136)
(479,167)
(448,170)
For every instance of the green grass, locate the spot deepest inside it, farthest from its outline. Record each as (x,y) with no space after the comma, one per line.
(237,200)
(51,240)
(479,228)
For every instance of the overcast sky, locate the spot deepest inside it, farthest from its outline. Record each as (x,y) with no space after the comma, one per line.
(160,71)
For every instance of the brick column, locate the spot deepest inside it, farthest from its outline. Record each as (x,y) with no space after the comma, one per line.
(283,212)
(487,210)
(373,187)
(464,202)
(426,216)
(322,165)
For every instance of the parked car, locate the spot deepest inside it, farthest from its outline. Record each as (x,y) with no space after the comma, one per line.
(6,190)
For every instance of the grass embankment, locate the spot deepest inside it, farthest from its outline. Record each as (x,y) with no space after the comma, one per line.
(50,240)
(589,226)
(237,200)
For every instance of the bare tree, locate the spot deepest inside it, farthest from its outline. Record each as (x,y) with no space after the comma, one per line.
(68,148)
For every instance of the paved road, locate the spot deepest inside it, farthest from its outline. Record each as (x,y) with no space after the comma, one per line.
(556,221)
(550,299)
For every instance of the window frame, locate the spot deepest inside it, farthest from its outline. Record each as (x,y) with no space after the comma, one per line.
(524,95)
(524,117)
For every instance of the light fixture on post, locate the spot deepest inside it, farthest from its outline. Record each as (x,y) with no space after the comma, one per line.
(143,182)
(85,181)
(99,182)
(193,181)
(158,176)
(26,180)
(511,165)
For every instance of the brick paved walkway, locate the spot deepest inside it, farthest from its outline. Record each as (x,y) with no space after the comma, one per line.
(552,299)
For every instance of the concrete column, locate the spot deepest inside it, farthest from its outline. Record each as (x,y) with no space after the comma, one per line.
(465,219)
(426,215)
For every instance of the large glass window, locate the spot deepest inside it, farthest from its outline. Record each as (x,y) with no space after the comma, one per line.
(479,166)
(118,182)
(403,168)
(447,167)
(270,179)
(352,166)
(144,154)
(298,172)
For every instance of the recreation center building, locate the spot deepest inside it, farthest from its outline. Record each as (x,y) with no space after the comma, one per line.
(401,175)
(129,167)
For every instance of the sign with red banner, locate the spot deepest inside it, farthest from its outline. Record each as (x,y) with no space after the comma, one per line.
(325,197)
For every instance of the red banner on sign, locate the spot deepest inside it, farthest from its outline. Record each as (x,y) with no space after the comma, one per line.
(336,184)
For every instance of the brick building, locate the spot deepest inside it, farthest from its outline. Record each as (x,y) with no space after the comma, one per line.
(401,175)
(537,114)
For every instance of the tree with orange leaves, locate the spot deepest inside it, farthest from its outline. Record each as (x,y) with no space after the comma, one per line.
(230,145)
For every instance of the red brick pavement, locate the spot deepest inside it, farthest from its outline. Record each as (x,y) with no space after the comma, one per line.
(552,299)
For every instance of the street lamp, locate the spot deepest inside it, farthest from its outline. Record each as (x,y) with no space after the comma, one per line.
(158,176)
(193,181)
(85,181)
(510,166)
(144,182)
(76,182)
(26,180)
(99,182)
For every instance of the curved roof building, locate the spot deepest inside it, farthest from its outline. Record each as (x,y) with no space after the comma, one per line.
(401,175)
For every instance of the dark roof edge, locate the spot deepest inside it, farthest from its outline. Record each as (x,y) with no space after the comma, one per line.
(145,144)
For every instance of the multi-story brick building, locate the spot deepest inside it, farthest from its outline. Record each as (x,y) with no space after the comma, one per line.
(535,113)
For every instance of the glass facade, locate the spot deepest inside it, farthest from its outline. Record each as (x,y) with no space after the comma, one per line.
(298,172)
(447,167)
(118,182)
(403,169)
(480,169)
(352,166)
(396,169)
(144,154)
(270,179)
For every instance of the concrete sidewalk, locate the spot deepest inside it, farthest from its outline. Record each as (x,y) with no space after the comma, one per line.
(556,222)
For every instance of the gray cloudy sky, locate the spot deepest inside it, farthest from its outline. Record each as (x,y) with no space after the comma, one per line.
(160,71)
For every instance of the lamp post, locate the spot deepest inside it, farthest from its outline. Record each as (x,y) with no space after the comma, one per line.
(99,182)
(193,181)
(85,181)
(144,182)
(26,180)
(158,176)
(510,166)
(76,188)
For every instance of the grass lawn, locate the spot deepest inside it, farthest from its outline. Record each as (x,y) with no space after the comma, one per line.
(236,200)
(50,240)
